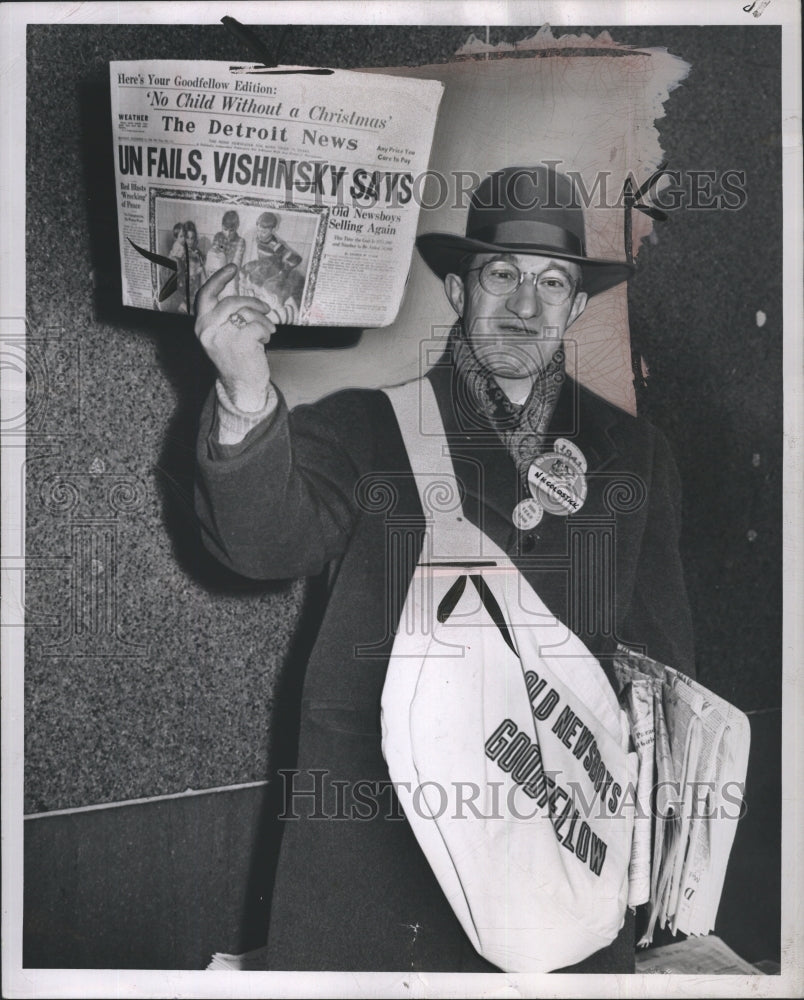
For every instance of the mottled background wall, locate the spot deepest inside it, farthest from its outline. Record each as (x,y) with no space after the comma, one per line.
(150,671)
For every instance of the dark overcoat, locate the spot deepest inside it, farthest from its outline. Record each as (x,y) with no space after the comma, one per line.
(327,489)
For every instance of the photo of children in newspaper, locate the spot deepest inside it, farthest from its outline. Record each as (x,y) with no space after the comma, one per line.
(272,247)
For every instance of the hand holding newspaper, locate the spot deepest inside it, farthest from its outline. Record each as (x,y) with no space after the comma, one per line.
(308,183)
(699,749)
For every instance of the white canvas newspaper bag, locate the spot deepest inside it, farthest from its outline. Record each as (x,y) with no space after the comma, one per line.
(505,741)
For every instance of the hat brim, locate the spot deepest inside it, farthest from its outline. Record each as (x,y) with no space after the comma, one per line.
(443,253)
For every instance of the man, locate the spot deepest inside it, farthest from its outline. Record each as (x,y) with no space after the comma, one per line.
(270,247)
(273,275)
(325,487)
(234,244)
(229,244)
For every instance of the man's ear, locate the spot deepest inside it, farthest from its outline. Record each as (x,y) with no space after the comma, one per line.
(578,307)
(453,286)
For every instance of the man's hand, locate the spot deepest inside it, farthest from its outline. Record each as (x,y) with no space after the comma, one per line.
(234,330)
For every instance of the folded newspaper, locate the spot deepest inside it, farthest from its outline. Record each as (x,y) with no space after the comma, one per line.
(308,180)
(693,755)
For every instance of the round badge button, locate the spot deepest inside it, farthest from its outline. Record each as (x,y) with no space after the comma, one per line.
(557,482)
(570,450)
(527,514)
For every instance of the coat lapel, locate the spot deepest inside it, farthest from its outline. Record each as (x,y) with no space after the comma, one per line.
(586,420)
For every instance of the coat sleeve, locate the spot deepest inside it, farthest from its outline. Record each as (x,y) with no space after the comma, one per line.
(282,504)
(659,617)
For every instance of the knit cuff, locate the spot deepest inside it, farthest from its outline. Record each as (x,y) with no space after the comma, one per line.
(234,423)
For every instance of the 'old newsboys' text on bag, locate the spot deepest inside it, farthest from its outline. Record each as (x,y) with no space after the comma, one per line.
(505,741)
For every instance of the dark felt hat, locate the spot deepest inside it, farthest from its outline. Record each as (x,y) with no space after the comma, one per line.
(526,210)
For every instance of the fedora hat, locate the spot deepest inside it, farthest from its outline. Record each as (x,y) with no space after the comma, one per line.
(523,210)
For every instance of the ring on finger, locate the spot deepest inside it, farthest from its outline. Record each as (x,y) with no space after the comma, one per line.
(237,320)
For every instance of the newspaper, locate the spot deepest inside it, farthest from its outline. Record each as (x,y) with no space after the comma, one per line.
(306,179)
(638,695)
(720,770)
(699,749)
(703,956)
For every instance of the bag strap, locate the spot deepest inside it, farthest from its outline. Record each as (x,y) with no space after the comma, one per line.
(452,538)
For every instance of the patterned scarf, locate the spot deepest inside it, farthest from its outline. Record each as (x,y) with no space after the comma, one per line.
(520,427)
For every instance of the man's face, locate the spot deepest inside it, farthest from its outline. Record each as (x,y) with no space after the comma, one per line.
(515,334)
(264,233)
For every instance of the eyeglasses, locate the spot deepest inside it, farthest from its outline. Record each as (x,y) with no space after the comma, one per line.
(503,277)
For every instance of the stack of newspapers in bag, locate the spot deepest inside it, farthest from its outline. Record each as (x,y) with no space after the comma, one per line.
(693,755)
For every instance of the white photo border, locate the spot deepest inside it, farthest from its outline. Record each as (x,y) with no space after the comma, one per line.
(14,18)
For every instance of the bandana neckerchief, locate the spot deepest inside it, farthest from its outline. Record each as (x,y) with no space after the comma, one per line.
(520,427)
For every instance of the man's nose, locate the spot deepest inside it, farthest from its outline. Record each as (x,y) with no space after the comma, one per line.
(525,301)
